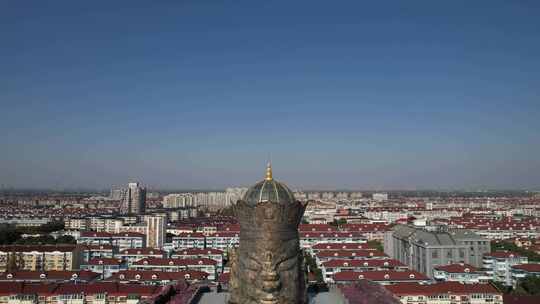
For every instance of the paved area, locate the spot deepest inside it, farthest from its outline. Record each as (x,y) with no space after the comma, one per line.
(214,298)
(326,298)
(321,298)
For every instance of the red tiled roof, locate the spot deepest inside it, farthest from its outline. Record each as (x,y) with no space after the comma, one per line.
(403,289)
(230,234)
(142,290)
(129,234)
(502,254)
(528,267)
(514,299)
(198,251)
(234,227)
(316,227)
(112,288)
(365,227)
(53,275)
(97,247)
(342,246)
(224,278)
(350,253)
(190,235)
(146,275)
(456,268)
(408,275)
(363,263)
(174,262)
(104,261)
(147,251)
(39,288)
(95,234)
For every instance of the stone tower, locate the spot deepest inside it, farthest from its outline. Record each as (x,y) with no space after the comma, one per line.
(268,266)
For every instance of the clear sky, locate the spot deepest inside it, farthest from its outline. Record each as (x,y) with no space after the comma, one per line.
(341,94)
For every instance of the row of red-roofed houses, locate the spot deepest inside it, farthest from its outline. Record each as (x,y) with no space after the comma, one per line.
(363,254)
(108,265)
(498,228)
(228,239)
(206,265)
(460,272)
(95,293)
(349,262)
(364,291)
(86,276)
(207,260)
(333,267)
(134,254)
(445,292)
(500,266)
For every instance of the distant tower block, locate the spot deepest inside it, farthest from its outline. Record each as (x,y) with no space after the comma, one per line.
(268,265)
(135,200)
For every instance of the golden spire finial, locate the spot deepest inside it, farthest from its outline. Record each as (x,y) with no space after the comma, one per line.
(269,171)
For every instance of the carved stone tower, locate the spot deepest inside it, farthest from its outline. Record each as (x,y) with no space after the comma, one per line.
(268,266)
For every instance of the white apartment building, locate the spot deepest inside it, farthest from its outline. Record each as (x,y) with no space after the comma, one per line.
(499,264)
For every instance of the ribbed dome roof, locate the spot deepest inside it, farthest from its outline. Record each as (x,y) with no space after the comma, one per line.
(269,190)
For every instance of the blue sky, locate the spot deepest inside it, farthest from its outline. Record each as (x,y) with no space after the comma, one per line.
(198,94)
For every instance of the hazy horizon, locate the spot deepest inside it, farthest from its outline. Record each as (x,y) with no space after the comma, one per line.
(197,94)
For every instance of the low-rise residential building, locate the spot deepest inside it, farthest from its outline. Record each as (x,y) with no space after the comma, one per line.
(327,255)
(53,276)
(79,293)
(223,240)
(39,257)
(189,240)
(136,254)
(195,253)
(446,292)
(463,273)
(331,267)
(499,264)
(381,277)
(520,272)
(172,265)
(158,277)
(105,266)
(95,238)
(339,246)
(309,239)
(97,251)
(122,240)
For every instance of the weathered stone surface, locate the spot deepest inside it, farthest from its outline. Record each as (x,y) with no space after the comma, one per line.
(268,265)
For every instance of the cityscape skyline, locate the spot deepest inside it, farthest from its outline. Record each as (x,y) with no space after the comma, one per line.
(197,95)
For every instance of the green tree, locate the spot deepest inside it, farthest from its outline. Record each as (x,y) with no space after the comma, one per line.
(529,285)
(8,234)
(312,267)
(66,239)
(376,245)
(531,255)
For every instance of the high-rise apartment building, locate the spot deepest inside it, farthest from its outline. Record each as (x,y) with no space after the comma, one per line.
(179,200)
(156,230)
(118,194)
(135,199)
